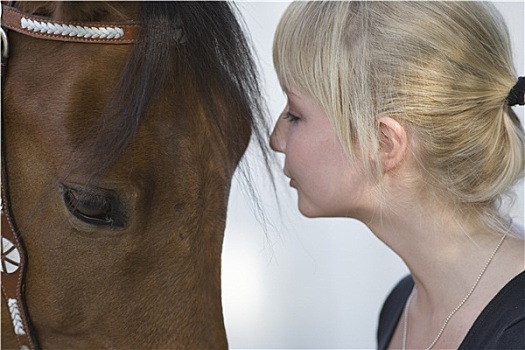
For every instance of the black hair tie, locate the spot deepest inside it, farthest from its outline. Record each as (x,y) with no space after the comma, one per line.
(516,93)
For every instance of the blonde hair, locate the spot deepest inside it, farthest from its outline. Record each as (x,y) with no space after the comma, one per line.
(442,69)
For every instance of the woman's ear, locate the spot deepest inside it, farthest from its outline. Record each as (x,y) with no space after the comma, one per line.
(393,143)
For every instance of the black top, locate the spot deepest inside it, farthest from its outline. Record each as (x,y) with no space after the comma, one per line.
(501,325)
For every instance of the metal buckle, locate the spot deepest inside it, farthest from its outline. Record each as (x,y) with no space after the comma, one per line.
(5,45)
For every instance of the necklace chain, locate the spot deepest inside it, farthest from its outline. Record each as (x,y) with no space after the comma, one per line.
(405,312)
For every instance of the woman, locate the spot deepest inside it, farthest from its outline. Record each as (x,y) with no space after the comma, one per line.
(399,115)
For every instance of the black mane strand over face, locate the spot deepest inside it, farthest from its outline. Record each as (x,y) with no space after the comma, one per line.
(203,37)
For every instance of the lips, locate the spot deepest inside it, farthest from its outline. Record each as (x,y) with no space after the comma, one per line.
(292,181)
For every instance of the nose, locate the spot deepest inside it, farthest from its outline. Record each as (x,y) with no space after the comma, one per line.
(278,137)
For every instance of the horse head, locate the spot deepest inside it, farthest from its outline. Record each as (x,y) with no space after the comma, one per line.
(119,160)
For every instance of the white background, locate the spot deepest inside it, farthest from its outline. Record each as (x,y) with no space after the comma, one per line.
(308,283)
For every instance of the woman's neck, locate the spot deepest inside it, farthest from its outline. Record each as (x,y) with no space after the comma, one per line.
(446,250)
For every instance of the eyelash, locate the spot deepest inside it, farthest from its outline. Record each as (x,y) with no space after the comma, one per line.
(291,117)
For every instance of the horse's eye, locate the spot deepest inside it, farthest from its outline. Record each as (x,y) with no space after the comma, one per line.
(94,207)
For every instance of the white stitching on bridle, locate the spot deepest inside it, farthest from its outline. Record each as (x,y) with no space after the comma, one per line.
(15,316)
(72,30)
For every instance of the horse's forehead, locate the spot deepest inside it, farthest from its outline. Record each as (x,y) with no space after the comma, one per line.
(68,90)
(175,137)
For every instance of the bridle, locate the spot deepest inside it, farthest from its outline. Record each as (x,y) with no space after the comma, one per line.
(14,254)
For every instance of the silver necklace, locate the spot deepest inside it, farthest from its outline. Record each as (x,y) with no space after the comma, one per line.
(405,312)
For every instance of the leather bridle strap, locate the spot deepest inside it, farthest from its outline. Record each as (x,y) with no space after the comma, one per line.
(14,262)
(14,258)
(80,32)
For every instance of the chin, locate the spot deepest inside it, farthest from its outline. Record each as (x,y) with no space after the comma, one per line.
(311,213)
(307,212)
(316,212)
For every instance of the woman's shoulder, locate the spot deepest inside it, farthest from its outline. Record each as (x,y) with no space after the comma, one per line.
(392,310)
(501,325)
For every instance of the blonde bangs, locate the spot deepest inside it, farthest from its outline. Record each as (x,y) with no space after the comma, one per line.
(298,48)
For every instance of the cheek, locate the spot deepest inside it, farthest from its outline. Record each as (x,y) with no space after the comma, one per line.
(303,160)
(315,157)
(327,183)
(315,172)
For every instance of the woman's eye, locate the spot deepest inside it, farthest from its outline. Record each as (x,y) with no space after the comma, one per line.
(93,208)
(291,117)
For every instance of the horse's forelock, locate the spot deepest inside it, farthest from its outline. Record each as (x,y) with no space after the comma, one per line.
(215,49)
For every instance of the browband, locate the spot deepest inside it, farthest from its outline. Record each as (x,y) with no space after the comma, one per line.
(83,32)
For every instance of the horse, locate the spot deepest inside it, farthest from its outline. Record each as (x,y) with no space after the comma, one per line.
(117,165)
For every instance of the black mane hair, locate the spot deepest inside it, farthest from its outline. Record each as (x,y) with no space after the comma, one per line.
(215,48)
